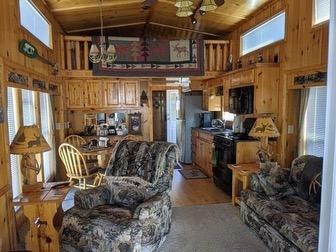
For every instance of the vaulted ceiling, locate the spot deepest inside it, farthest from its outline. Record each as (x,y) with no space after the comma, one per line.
(129,18)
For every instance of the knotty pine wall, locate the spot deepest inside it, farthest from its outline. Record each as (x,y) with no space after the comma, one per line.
(304,48)
(10,34)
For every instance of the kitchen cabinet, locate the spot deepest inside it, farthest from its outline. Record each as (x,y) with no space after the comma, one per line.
(214,95)
(99,94)
(112,94)
(76,94)
(202,149)
(131,93)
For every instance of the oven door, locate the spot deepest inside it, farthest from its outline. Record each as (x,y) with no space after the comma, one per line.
(224,155)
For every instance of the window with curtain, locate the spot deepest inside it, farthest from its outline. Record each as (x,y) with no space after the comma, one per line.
(313,128)
(47,128)
(13,127)
(322,11)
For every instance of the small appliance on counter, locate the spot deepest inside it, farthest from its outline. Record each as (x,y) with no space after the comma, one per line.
(102,130)
(103,142)
(112,130)
(206,118)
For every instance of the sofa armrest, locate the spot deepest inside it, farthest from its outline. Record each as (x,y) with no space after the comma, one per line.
(92,197)
(153,206)
(255,184)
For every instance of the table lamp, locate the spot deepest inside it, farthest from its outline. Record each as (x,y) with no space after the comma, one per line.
(264,128)
(27,142)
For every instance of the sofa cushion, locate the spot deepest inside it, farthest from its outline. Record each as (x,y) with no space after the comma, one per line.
(293,217)
(129,191)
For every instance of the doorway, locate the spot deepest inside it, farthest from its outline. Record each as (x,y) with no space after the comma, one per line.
(173,108)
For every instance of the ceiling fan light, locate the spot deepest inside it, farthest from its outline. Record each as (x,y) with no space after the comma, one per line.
(208,5)
(184,12)
(183,3)
(94,54)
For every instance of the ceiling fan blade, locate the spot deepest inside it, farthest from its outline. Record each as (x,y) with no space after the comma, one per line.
(219,2)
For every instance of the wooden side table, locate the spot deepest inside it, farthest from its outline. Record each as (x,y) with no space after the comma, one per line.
(43,209)
(241,174)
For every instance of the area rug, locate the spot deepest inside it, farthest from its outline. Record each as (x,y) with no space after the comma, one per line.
(192,174)
(210,228)
(142,57)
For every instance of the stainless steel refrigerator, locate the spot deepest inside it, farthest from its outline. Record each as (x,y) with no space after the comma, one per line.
(190,108)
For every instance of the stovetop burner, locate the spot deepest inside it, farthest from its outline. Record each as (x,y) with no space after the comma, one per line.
(235,136)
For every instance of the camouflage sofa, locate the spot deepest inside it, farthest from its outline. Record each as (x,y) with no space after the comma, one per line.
(282,205)
(132,211)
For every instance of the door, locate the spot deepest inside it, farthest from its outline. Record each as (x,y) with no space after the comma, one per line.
(159,115)
(173,107)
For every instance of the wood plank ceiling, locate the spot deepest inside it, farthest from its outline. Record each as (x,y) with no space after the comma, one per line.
(128,18)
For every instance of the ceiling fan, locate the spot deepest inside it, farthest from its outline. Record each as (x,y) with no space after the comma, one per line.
(149,3)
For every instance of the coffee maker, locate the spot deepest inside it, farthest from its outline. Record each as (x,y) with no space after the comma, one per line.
(206,119)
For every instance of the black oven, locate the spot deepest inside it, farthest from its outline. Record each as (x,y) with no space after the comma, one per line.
(241,100)
(224,154)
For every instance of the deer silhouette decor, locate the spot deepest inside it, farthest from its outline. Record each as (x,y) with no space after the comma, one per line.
(261,129)
(36,142)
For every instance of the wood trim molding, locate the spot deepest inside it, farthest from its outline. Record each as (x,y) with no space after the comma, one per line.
(4,190)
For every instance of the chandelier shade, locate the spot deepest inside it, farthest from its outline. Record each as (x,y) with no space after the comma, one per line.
(184,12)
(183,3)
(208,5)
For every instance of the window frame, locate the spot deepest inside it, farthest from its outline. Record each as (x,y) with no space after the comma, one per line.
(51,44)
(259,25)
(314,23)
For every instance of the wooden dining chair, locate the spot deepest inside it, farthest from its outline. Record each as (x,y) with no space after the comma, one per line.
(77,168)
(75,140)
(78,141)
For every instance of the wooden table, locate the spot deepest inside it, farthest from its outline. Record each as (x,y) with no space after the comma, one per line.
(241,174)
(103,154)
(40,208)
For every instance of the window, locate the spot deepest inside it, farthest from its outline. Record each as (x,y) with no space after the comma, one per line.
(32,19)
(265,34)
(47,128)
(13,127)
(30,107)
(322,11)
(314,122)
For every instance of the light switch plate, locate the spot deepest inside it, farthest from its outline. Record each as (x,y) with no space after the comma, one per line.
(290,129)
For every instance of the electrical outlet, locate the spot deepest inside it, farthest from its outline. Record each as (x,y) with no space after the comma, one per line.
(290,129)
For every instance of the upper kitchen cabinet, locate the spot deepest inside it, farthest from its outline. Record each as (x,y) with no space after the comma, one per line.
(99,94)
(131,94)
(214,94)
(75,94)
(112,94)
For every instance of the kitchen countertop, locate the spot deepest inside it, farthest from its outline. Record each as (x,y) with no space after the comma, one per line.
(210,132)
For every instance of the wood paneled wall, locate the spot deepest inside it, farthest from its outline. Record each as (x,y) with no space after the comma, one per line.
(304,48)
(11,33)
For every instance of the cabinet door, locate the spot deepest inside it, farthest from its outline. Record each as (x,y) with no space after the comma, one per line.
(95,94)
(131,94)
(112,93)
(226,96)
(76,94)
(215,103)
(235,79)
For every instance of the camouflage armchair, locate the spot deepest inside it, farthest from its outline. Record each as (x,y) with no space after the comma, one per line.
(132,211)
(282,205)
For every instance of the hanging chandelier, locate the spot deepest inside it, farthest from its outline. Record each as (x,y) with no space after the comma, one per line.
(99,53)
(185,7)
(208,5)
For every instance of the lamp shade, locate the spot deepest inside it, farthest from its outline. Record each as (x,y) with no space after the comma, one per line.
(29,140)
(264,127)
(208,5)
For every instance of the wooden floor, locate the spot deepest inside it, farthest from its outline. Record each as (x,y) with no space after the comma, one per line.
(187,192)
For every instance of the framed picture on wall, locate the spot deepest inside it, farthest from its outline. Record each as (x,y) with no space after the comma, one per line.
(134,124)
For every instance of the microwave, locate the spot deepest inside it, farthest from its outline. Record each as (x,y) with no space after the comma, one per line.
(241,100)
